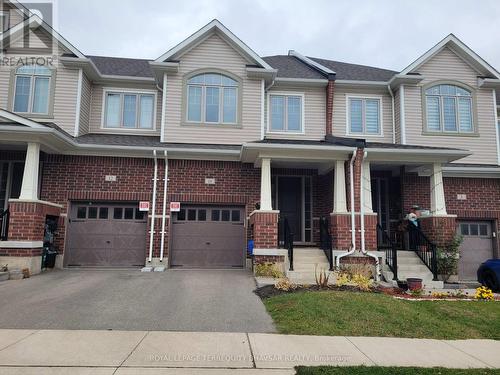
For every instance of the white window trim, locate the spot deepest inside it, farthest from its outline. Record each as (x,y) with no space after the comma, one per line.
(302,105)
(440,97)
(107,90)
(380,98)
(31,96)
(203,102)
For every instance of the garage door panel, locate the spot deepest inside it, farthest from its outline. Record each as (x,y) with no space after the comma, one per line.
(477,246)
(210,239)
(105,237)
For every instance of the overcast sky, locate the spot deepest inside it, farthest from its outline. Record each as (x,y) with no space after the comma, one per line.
(387,34)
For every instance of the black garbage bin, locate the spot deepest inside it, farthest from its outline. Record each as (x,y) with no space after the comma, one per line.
(49,258)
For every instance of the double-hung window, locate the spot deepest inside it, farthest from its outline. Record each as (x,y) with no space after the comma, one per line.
(449,109)
(4,21)
(286,113)
(32,89)
(364,116)
(212,98)
(129,110)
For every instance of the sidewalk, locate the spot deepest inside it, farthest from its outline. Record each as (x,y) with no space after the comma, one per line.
(134,352)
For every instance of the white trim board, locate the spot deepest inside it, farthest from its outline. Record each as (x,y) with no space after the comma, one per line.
(303,110)
(380,98)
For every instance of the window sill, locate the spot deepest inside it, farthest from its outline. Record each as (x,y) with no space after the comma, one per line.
(133,130)
(285,133)
(364,135)
(211,125)
(450,134)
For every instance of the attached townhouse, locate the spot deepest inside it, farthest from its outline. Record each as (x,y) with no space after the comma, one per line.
(183,160)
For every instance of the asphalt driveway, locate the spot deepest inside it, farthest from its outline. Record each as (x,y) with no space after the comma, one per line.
(175,300)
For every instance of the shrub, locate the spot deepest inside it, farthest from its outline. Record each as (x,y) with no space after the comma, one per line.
(284,284)
(484,293)
(448,258)
(268,270)
(358,269)
(343,278)
(362,282)
(321,277)
(417,292)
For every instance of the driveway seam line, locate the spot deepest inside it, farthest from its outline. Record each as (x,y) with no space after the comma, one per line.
(132,351)
(251,350)
(468,354)
(18,341)
(362,352)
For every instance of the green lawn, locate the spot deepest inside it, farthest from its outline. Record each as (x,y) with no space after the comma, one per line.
(339,313)
(390,370)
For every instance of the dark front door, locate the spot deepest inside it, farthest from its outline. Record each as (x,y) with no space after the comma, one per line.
(208,237)
(380,201)
(290,203)
(106,235)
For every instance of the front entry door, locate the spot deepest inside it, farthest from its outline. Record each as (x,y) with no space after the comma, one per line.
(290,203)
(380,201)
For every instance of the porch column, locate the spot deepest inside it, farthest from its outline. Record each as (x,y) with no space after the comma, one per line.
(367,186)
(339,188)
(29,187)
(438,204)
(265,185)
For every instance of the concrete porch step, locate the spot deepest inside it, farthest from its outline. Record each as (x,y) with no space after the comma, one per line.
(306,277)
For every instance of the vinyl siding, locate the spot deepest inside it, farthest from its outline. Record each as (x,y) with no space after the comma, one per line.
(15,16)
(314,113)
(96,108)
(66,83)
(215,53)
(340,113)
(85,105)
(446,65)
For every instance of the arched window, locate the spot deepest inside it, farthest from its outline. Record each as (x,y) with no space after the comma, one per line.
(32,89)
(449,109)
(212,98)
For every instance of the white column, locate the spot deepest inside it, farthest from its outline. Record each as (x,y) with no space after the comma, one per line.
(339,194)
(438,204)
(29,188)
(265,185)
(367,186)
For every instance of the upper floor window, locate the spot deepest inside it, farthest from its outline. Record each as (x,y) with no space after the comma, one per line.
(4,21)
(212,98)
(129,110)
(32,89)
(449,109)
(364,115)
(286,112)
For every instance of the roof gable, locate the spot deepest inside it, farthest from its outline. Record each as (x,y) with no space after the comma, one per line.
(461,50)
(213,27)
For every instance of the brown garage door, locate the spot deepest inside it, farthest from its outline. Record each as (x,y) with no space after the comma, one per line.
(208,237)
(106,235)
(477,246)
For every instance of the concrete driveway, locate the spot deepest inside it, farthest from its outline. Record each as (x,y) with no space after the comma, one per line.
(175,300)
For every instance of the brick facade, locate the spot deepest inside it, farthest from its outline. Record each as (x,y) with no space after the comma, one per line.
(264,229)
(329,106)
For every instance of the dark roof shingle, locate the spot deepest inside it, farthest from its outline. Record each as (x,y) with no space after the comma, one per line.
(356,72)
(291,67)
(119,66)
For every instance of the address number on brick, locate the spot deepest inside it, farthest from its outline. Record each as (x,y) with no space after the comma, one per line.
(110,178)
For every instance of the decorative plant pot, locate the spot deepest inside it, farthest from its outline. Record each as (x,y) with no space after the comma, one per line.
(403,285)
(4,276)
(414,283)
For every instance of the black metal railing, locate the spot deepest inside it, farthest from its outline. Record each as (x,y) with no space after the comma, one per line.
(423,247)
(286,239)
(325,239)
(385,244)
(4,224)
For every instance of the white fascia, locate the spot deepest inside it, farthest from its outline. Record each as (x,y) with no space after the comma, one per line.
(311,62)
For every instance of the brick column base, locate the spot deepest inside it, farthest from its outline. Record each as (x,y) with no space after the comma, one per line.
(439,229)
(26,230)
(264,229)
(340,229)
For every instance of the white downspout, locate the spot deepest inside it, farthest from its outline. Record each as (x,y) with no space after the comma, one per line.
(353,214)
(153,209)
(362,219)
(163,215)
(393,115)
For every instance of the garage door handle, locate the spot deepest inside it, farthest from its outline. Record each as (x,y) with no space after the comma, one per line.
(207,243)
(108,241)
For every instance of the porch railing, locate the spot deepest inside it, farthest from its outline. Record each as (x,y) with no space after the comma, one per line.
(284,227)
(385,244)
(423,247)
(326,240)
(4,224)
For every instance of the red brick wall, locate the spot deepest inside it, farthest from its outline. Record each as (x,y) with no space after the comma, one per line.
(340,227)
(329,106)
(27,220)
(264,229)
